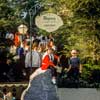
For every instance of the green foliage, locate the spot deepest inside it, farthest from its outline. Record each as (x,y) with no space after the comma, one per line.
(8,18)
(92,67)
(88,70)
(86,74)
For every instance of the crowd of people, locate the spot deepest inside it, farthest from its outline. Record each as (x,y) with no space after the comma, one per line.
(19,49)
(30,55)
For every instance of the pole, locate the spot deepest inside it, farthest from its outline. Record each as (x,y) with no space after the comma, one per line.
(32,13)
(31,20)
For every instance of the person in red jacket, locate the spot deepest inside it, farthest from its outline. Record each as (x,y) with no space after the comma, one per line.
(47,63)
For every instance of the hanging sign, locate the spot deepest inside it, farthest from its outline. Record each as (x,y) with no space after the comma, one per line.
(49,22)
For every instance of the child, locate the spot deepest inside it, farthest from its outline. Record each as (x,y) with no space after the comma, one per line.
(75,66)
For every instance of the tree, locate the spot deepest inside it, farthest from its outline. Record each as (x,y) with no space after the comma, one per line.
(9,18)
(81,29)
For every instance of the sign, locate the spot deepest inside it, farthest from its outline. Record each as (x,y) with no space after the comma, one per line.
(49,22)
(22,29)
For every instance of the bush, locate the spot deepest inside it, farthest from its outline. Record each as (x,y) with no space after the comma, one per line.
(91,73)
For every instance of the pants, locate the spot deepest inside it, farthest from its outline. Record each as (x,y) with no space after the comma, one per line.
(74,73)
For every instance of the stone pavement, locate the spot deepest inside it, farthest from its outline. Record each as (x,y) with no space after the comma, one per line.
(79,94)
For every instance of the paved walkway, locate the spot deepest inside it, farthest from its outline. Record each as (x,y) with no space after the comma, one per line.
(79,94)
